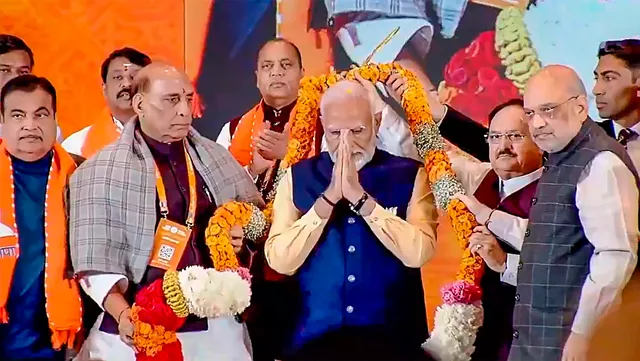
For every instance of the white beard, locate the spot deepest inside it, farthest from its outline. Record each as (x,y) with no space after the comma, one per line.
(363,158)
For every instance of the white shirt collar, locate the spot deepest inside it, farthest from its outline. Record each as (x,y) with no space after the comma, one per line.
(118,124)
(617,128)
(510,186)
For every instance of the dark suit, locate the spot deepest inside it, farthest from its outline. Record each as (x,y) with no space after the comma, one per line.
(465,133)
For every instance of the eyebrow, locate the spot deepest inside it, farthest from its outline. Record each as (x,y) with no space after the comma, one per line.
(9,66)
(42,108)
(606,72)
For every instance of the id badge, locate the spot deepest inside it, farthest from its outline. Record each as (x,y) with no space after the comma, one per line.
(169,244)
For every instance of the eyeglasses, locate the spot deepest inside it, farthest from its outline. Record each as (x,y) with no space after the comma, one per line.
(625,46)
(512,137)
(547,112)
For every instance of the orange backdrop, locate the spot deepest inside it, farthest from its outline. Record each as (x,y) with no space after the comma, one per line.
(71,38)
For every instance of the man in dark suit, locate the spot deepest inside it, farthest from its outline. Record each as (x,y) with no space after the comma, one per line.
(617,88)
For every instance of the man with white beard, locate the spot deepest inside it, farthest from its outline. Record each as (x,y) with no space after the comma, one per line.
(355,243)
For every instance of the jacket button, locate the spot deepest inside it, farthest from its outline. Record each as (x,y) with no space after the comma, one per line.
(520,265)
(516,334)
(351,249)
(349,309)
(331,22)
(351,278)
(545,168)
(351,220)
(534,200)
(517,297)
(527,233)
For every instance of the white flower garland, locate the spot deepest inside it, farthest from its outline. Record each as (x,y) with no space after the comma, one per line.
(455,331)
(210,293)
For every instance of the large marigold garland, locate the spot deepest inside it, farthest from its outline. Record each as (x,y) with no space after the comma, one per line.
(459,318)
(161,308)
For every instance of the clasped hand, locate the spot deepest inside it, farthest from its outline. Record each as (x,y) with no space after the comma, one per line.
(344,178)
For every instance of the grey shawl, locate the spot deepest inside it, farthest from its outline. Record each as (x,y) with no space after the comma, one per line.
(112,201)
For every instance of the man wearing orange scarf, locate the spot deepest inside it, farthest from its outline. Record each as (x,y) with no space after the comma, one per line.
(40,307)
(117,73)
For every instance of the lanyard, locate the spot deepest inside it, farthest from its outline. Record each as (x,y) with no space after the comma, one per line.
(162,193)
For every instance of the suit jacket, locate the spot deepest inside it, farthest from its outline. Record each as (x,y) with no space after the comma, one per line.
(113,201)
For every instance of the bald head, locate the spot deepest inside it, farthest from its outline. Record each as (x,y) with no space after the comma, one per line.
(152,72)
(555,105)
(163,97)
(345,93)
(559,76)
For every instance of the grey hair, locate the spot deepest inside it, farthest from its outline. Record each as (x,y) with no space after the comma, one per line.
(340,91)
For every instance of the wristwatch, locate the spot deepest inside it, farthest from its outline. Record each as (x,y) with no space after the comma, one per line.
(358,205)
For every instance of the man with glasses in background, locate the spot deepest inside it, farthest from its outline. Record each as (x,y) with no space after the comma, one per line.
(617,92)
(500,196)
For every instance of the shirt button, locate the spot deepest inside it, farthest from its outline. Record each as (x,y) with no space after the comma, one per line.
(351,220)
(351,278)
(517,297)
(351,249)
(516,334)
(527,233)
(545,168)
(534,200)
(349,309)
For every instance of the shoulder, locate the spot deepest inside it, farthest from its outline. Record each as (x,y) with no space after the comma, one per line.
(73,144)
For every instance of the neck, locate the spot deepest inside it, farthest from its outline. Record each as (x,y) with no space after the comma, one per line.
(629,119)
(278,103)
(506,175)
(122,115)
(30,157)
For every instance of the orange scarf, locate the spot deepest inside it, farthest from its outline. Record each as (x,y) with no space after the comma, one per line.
(102,133)
(63,306)
(248,129)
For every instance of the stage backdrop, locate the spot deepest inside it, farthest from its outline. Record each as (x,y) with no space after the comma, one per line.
(479,55)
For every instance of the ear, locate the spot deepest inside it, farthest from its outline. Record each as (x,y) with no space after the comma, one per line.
(136,102)
(257,85)
(583,105)
(377,121)
(104,90)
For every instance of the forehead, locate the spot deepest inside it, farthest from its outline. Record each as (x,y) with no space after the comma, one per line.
(276,51)
(170,84)
(544,91)
(28,101)
(349,113)
(510,118)
(16,58)
(122,64)
(610,62)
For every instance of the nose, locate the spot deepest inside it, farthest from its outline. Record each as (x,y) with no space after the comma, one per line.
(184,108)
(597,88)
(277,71)
(537,121)
(126,82)
(29,123)
(504,142)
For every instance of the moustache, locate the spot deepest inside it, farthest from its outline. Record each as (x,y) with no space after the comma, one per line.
(126,91)
(508,153)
